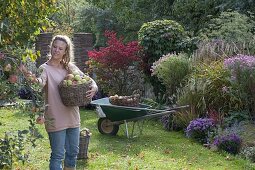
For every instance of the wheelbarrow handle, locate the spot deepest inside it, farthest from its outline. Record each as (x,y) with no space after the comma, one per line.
(173,108)
(146,116)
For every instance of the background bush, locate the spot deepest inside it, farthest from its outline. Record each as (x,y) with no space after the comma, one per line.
(248,153)
(229,26)
(116,66)
(159,38)
(171,70)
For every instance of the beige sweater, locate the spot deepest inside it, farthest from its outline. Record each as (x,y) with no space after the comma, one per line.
(57,115)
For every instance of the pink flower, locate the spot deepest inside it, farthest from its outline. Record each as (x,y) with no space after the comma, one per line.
(1,55)
(224,89)
(13,78)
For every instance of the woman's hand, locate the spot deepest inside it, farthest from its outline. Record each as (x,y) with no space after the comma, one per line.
(40,120)
(90,93)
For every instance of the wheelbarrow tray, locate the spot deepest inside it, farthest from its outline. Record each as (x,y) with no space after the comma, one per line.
(111,116)
(119,113)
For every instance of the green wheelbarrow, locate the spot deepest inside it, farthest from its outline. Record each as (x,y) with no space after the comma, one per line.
(112,116)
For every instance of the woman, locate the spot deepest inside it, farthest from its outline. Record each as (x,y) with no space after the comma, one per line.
(61,122)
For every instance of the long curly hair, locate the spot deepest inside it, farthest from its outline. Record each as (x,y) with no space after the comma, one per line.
(69,55)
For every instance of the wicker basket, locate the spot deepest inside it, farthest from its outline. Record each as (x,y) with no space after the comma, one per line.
(131,101)
(74,95)
(84,144)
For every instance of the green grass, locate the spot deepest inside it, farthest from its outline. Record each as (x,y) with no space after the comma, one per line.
(154,149)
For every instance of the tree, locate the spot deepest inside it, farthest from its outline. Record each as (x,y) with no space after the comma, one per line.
(125,17)
(116,65)
(194,14)
(231,27)
(21,20)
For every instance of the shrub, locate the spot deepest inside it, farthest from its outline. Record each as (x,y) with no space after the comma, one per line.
(236,117)
(171,70)
(116,65)
(192,94)
(230,143)
(199,129)
(230,26)
(159,38)
(242,72)
(14,147)
(208,87)
(248,153)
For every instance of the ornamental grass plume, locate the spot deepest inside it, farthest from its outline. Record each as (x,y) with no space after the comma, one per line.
(230,143)
(199,129)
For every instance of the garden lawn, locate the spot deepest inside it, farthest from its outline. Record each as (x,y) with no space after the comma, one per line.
(154,149)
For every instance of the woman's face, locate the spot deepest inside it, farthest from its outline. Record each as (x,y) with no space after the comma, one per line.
(58,49)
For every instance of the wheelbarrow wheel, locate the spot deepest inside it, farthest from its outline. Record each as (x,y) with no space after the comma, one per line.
(105,126)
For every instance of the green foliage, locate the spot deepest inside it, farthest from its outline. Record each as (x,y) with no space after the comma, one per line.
(171,70)
(229,26)
(179,120)
(248,153)
(125,17)
(12,149)
(153,104)
(215,79)
(11,60)
(236,117)
(97,21)
(207,88)
(182,118)
(192,94)
(199,12)
(158,38)
(21,20)
(14,145)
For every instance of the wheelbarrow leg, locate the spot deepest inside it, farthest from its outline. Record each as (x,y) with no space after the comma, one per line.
(139,125)
(126,126)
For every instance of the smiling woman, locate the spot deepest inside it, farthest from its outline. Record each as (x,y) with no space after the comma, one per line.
(62,122)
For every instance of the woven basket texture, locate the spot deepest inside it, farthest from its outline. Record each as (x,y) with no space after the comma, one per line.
(84,144)
(74,95)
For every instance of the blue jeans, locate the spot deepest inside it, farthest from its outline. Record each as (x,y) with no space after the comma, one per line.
(64,146)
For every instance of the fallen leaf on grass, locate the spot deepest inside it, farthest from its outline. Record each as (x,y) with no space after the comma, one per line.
(167,151)
(94,155)
(141,155)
